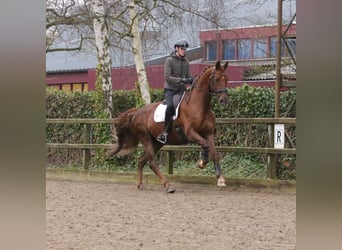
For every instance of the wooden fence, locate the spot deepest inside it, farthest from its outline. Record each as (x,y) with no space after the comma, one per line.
(271,152)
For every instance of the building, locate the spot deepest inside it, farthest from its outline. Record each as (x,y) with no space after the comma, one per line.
(251,52)
(245,45)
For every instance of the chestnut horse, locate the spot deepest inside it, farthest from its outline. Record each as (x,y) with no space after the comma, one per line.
(195,123)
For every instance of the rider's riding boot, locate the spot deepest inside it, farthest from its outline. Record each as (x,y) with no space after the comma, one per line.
(162,138)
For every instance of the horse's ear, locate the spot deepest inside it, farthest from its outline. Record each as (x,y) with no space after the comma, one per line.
(225,66)
(218,64)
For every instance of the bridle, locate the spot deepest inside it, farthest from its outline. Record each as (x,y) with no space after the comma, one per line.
(212,82)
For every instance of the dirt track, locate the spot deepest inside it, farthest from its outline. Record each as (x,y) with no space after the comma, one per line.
(93,215)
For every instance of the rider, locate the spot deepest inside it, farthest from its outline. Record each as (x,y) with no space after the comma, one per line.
(177,74)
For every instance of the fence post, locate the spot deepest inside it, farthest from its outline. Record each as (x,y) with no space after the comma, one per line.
(271,158)
(170,157)
(86,151)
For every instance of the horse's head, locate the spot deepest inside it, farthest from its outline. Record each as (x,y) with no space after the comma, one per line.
(218,82)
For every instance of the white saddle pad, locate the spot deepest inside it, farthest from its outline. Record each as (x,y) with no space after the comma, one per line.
(159,113)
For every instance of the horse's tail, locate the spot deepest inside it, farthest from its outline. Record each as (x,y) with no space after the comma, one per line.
(126,141)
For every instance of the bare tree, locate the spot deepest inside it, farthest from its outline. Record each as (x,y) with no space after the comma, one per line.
(104,68)
(65,24)
(137,52)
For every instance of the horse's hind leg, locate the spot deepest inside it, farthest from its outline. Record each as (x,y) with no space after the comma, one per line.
(150,151)
(164,181)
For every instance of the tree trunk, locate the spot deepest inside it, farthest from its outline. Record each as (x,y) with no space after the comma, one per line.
(137,51)
(104,68)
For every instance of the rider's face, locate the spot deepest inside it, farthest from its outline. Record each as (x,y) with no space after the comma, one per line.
(181,51)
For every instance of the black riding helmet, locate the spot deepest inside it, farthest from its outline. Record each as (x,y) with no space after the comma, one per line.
(182,43)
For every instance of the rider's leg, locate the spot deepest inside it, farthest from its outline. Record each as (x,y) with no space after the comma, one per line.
(167,124)
(168,115)
(168,118)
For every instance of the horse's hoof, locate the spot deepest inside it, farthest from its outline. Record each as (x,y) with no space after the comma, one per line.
(201,164)
(221,182)
(170,190)
(140,186)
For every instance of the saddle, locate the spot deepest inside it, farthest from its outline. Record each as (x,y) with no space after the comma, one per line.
(159,113)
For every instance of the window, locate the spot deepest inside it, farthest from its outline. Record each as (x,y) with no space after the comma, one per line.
(284,52)
(273,46)
(77,87)
(211,49)
(244,47)
(260,48)
(55,86)
(66,87)
(292,46)
(71,87)
(229,50)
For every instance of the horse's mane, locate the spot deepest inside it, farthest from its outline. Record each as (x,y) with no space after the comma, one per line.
(204,70)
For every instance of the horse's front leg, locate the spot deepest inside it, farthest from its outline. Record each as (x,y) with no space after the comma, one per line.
(193,136)
(208,144)
(203,159)
(215,158)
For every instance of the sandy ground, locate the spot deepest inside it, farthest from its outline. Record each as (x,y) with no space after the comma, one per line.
(94,215)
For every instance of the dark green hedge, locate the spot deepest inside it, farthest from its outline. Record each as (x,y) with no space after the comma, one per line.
(244,101)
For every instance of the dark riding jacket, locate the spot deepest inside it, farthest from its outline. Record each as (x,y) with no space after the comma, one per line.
(176,68)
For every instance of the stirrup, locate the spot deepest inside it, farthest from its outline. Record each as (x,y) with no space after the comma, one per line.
(162,137)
